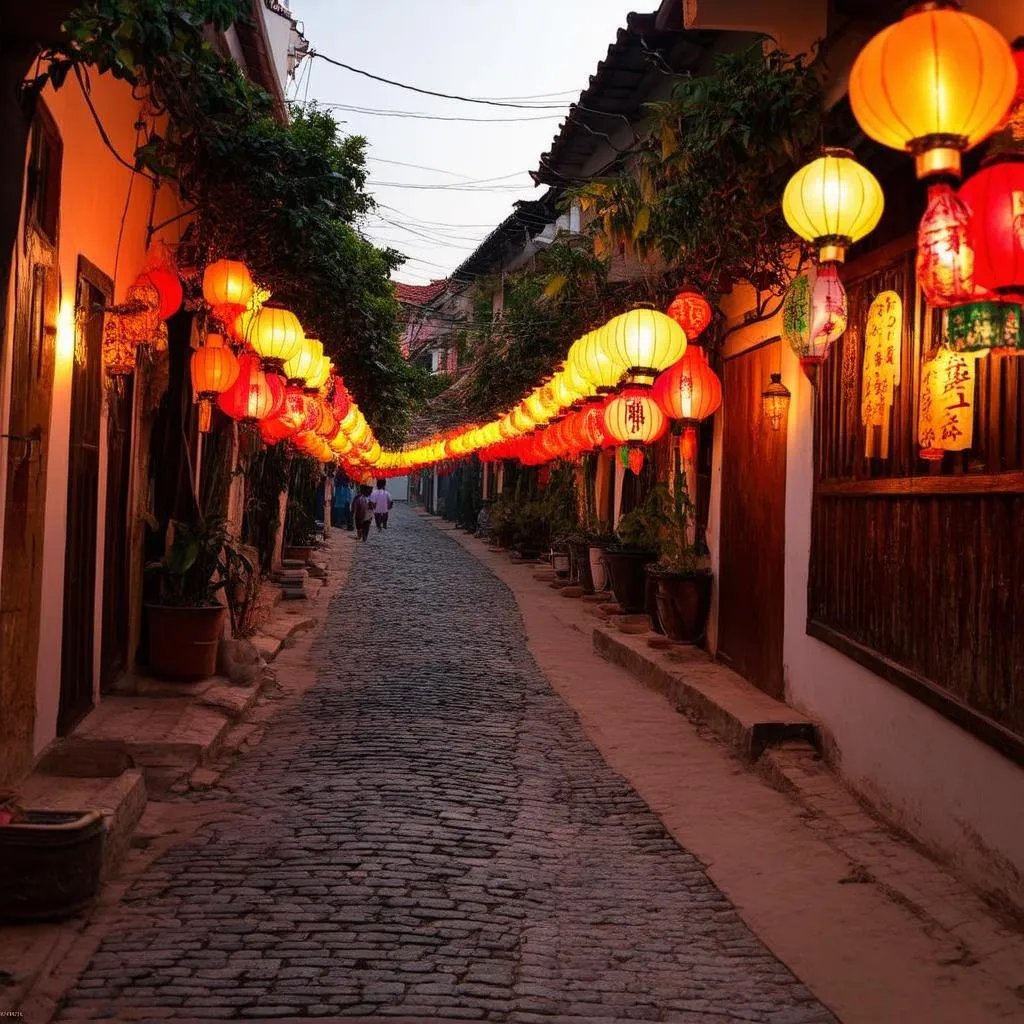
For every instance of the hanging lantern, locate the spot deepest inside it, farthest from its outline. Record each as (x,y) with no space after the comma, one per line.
(934,84)
(275,335)
(814,315)
(692,312)
(118,350)
(633,418)
(301,365)
(255,395)
(591,359)
(775,401)
(690,390)
(645,342)
(833,202)
(140,312)
(983,327)
(162,274)
(995,198)
(227,287)
(945,421)
(341,400)
(945,249)
(214,370)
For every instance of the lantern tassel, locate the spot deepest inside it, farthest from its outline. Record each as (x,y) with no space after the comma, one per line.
(636,460)
(205,415)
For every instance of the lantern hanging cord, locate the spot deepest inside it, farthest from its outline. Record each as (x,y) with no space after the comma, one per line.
(431,92)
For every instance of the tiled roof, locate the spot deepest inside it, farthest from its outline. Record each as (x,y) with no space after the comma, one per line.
(419,294)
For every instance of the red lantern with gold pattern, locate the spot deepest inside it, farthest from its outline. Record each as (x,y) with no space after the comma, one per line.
(255,395)
(995,197)
(945,248)
(692,312)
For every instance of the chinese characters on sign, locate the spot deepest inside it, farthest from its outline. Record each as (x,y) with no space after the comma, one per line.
(882,339)
(946,412)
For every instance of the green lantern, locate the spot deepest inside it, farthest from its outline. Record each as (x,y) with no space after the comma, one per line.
(984,327)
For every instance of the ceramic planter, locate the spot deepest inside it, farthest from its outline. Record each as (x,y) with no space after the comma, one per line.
(50,864)
(629,582)
(684,603)
(579,556)
(183,641)
(598,568)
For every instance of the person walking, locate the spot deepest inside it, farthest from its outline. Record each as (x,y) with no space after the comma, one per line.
(341,506)
(362,509)
(382,504)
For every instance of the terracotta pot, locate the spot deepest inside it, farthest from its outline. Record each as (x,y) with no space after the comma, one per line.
(651,598)
(684,603)
(51,864)
(629,582)
(598,568)
(183,641)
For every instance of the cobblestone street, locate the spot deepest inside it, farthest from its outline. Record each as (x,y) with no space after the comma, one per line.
(428,832)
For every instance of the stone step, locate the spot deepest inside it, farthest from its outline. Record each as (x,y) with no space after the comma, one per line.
(745,717)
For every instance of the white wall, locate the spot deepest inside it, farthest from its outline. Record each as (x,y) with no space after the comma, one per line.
(398,488)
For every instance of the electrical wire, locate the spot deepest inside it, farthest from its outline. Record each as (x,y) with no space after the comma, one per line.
(431,92)
(424,116)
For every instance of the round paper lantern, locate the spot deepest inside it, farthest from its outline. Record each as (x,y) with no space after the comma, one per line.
(692,312)
(341,400)
(645,342)
(633,418)
(833,202)
(814,314)
(689,390)
(214,369)
(995,197)
(227,287)
(301,365)
(945,248)
(255,395)
(168,285)
(591,359)
(775,401)
(275,335)
(934,84)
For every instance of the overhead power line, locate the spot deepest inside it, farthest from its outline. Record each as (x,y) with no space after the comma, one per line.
(431,92)
(423,116)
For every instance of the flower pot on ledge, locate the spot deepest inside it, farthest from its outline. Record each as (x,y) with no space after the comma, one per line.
(183,641)
(629,583)
(684,603)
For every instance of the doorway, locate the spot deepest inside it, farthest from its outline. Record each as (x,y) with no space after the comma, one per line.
(78,645)
(751,584)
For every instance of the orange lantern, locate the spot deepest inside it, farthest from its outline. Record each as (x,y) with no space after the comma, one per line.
(689,390)
(945,248)
(692,312)
(227,287)
(214,370)
(935,84)
(255,395)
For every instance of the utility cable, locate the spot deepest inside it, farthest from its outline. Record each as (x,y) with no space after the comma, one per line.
(424,116)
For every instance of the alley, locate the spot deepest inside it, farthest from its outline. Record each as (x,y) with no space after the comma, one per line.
(429,833)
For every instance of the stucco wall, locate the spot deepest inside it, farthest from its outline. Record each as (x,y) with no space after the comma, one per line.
(948,789)
(94,196)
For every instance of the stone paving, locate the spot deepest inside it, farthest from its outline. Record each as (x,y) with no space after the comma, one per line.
(428,833)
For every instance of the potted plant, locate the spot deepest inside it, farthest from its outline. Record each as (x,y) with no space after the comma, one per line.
(51,861)
(503,522)
(532,530)
(637,545)
(682,577)
(300,533)
(586,550)
(186,621)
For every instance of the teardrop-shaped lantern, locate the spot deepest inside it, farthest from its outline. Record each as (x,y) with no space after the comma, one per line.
(945,248)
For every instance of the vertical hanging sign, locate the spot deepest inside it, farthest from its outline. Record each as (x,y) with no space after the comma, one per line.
(883,335)
(946,411)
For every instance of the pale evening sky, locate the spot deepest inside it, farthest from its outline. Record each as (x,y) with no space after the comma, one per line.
(480,48)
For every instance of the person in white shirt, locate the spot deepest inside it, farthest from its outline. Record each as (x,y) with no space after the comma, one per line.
(382,504)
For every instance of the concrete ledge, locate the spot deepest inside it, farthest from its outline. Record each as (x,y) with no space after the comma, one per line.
(742,715)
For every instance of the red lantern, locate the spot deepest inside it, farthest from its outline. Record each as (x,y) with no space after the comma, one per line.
(945,249)
(168,286)
(995,196)
(692,312)
(689,390)
(255,395)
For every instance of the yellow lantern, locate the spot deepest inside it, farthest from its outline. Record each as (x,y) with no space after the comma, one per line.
(591,357)
(521,419)
(301,366)
(833,202)
(275,335)
(645,342)
(934,83)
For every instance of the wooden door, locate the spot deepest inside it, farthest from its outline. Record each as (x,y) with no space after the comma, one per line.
(36,298)
(77,639)
(752,565)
